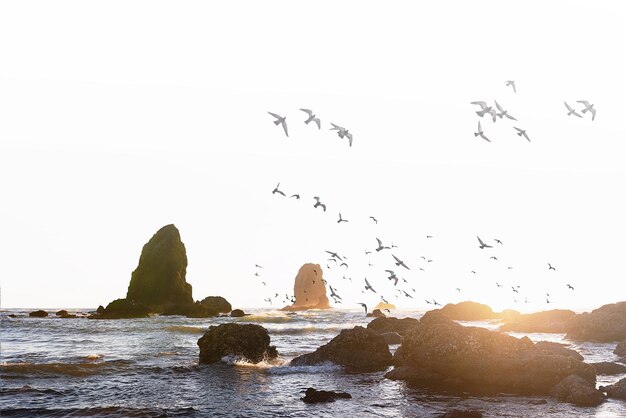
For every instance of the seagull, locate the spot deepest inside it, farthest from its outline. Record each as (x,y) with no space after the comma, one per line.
(343,264)
(341,219)
(257,274)
(393,245)
(435,303)
(572,111)
(498,284)
(473,272)
(333,294)
(400,262)
(297,196)
(514,290)
(550,267)
(522,132)
(342,132)
(429,236)
(318,203)
(481,134)
(257,266)
(374,219)
(512,84)
(407,295)
(364,306)
(498,241)
(392,276)
(311,118)
(588,108)
(380,246)
(367,252)
(268,300)
(482,244)
(485,109)
(334,255)
(547,300)
(458,290)
(277,191)
(494,258)
(569,286)
(347,278)
(503,112)
(280,120)
(368,286)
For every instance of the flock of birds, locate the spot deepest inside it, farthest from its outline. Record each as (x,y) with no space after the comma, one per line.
(402,288)
(501,113)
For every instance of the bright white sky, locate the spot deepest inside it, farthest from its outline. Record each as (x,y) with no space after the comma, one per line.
(119,117)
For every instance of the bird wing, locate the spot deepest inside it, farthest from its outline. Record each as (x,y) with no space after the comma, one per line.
(498,106)
(526,136)
(397,259)
(480,241)
(317,121)
(585,102)
(380,243)
(336,127)
(323,206)
(479,128)
(518,129)
(568,107)
(593,113)
(275,115)
(483,105)
(308,112)
(349,135)
(482,135)
(284,123)
(509,116)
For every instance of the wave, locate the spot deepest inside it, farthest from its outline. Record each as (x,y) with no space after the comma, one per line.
(30,390)
(282,366)
(16,370)
(186,329)
(239,361)
(303,330)
(93,356)
(112,411)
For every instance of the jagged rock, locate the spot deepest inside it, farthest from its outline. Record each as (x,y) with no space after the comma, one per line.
(357,349)
(392,337)
(309,289)
(100,309)
(250,341)
(376,313)
(470,357)
(38,314)
(315,396)
(608,368)
(159,279)
(547,321)
(123,308)
(559,349)
(605,324)
(617,390)
(467,311)
(620,349)
(391,324)
(462,413)
(578,391)
(237,313)
(217,303)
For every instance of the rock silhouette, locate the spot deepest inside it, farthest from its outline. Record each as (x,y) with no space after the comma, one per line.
(249,341)
(217,303)
(605,324)
(315,396)
(309,289)
(38,314)
(547,321)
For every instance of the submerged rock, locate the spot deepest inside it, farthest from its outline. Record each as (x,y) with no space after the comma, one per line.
(315,396)
(605,324)
(309,289)
(237,313)
(547,321)
(249,341)
(609,368)
(216,303)
(38,314)
(357,349)
(578,391)
(617,390)
(391,324)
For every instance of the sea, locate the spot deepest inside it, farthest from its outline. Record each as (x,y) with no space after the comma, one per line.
(53,367)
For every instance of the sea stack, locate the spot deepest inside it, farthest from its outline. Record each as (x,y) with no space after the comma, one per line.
(309,289)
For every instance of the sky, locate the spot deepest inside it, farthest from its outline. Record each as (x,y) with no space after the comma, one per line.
(120,117)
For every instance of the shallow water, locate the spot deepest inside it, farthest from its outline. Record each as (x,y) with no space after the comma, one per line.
(149,367)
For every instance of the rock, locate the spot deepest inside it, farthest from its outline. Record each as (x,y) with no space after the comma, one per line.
(578,391)
(249,341)
(237,313)
(376,313)
(12,316)
(392,337)
(416,375)
(315,396)
(123,308)
(61,312)
(547,321)
(100,309)
(159,279)
(357,349)
(608,368)
(309,289)
(391,324)
(617,390)
(382,306)
(470,357)
(38,314)
(605,324)
(620,349)
(462,413)
(467,311)
(217,303)
(559,349)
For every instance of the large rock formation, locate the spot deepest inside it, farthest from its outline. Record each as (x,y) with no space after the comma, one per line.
(467,311)
(309,289)
(217,303)
(357,349)
(123,308)
(547,321)
(605,324)
(249,341)
(384,305)
(442,353)
(159,279)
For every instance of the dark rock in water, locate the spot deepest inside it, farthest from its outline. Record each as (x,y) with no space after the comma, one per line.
(467,311)
(547,321)
(416,375)
(237,313)
(392,337)
(462,413)
(376,313)
(578,391)
(12,316)
(608,368)
(123,308)
(384,325)
(620,349)
(196,310)
(469,357)
(217,303)
(605,324)
(159,278)
(314,396)
(100,309)
(617,390)
(61,312)
(252,342)
(38,314)
(558,349)
(357,349)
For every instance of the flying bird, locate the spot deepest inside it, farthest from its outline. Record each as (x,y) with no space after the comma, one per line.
(367,252)
(550,267)
(572,111)
(514,290)
(482,244)
(498,284)
(311,118)
(334,255)
(280,120)
(485,109)
(498,241)
(333,294)
(364,307)
(368,286)
(569,286)
(341,219)
(588,108)
(503,112)
(268,300)
(297,196)
(435,303)
(407,295)
(257,266)
(428,302)
(277,191)
(380,246)
(392,276)
(318,203)
(374,219)
(342,132)
(494,258)
(400,262)
(481,134)
(512,84)
(522,132)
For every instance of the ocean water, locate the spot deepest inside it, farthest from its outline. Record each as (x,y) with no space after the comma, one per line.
(149,367)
